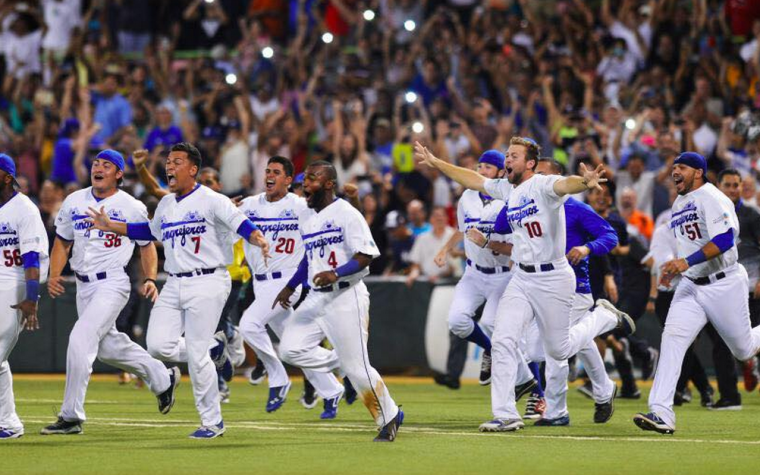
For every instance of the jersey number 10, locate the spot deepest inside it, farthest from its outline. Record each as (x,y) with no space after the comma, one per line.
(534,229)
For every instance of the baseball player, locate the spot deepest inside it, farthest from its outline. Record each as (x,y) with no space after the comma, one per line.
(276,212)
(99,260)
(714,290)
(587,233)
(194,223)
(23,265)
(338,248)
(487,273)
(543,286)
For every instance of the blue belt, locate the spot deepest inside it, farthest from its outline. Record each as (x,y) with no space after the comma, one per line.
(541,268)
(98,276)
(333,287)
(272,276)
(194,273)
(488,270)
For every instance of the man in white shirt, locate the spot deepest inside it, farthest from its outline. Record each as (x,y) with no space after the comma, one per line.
(426,247)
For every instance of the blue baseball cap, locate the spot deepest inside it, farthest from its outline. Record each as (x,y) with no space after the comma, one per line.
(298,179)
(8,166)
(112,156)
(693,160)
(493,157)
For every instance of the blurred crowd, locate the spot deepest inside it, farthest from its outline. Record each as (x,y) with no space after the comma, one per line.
(627,84)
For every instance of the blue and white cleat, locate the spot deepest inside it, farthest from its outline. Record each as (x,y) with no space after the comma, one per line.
(653,422)
(389,431)
(219,352)
(556,422)
(166,398)
(277,397)
(331,407)
(212,432)
(6,433)
(502,425)
(349,393)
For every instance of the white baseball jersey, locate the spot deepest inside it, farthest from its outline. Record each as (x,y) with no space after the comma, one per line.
(97,251)
(536,216)
(698,217)
(332,237)
(21,231)
(196,229)
(662,249)
(475,212)
(278,221)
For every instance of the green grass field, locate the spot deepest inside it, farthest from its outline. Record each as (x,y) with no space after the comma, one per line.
(126,434)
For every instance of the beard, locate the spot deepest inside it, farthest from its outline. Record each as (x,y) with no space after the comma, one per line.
(313,199)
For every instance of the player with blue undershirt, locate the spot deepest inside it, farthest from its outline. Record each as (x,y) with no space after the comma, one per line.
(24,264)
(195,224)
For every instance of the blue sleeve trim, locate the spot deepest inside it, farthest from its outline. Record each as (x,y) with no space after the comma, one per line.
(139,232)
(696,258)
(301,275)
(31,259)
(246,228)
(33,290)
(502,223)
(724,241)
(351,267)
(63,238)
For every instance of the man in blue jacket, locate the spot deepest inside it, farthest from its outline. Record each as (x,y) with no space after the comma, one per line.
(587,234)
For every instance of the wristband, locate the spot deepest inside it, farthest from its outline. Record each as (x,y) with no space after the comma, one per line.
(350,267)
(696,258)
(148,279)
(488,239)
(33,290)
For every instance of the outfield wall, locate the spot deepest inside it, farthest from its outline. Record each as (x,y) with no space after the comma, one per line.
(408,330)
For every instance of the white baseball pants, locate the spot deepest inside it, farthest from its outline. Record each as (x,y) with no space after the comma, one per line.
(557,371)
(548,297)
(724,304)
(191,306)
(253,328)
(94,335)
(342,316)
(473,289)
(10,328)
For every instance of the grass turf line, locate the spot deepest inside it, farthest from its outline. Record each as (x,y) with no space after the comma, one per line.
(126,434)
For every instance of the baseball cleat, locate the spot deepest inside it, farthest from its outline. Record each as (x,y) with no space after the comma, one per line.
(277,397)
(723,404)
(525,388)
(556,422)
(224,390)
(209,432)
(625,323)
(10,433)
(652,421)
(258,374)
(630,393)
(650,366)
(389,431)
(62,427)
(706,397)
(446,380)
(502,425)
(227,371)
(750,374)
(166,398)
(309,397)
(603,411)
(349,393)
(331,407)
(485,369)
(535,407)
(219,351)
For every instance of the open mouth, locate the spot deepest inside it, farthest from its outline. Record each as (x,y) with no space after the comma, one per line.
(677,179)
(171,179)
(269,185)
(97,178)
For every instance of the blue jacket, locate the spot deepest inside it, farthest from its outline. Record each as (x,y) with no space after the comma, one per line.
(584,227)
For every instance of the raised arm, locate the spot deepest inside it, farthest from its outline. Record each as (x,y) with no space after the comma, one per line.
(576,184)
(464,176)
(139,158)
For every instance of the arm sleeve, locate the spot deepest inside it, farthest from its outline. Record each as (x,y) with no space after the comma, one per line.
(139,232)
(32,234)
(546,188)
(358,236)
(140,215)
(227,214)
(302,273)
(502,223)
(605,238)
(719,218)
(724,241)
(63,227)
(460,215)
(498,188)
(31,259)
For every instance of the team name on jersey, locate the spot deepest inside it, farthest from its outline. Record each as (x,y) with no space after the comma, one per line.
(525,209)
(485,227)
(328,235)
(5,231)
(192,224)
(686,215)
(80,221)
(286,221)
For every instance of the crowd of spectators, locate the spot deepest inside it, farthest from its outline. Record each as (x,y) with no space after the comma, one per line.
(627,84)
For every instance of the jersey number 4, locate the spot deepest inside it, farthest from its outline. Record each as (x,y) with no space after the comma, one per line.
(534,229)
(12,258)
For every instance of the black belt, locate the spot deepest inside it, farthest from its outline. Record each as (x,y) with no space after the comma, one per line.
(706,280)
(541,268)
(488,270)
(331,288)
(194,273)
(272,276)
(98,276)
